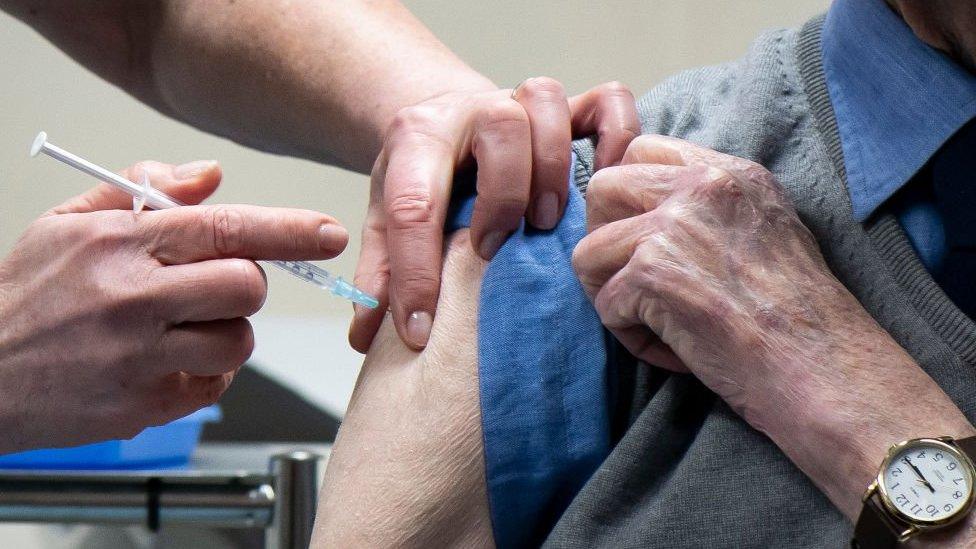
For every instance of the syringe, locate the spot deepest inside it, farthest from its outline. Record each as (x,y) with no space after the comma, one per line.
(152,198)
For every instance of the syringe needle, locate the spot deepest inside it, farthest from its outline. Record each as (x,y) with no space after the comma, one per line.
(157,200)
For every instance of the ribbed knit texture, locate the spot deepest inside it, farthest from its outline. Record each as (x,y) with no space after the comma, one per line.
(689,472)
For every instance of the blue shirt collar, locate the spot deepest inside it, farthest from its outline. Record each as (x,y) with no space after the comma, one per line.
(896,99)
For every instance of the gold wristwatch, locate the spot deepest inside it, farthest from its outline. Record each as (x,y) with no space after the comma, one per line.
(923,484)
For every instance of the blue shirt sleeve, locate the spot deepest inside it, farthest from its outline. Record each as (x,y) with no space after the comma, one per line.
(543,374)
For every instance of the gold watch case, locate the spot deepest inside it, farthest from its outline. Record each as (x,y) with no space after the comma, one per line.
(912,524)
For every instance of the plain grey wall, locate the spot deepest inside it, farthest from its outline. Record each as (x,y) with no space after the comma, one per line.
(580,42)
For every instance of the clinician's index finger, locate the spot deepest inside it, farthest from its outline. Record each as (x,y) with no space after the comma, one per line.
(195,233)
(416,191)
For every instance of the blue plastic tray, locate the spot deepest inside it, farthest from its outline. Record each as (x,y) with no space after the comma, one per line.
(167,445)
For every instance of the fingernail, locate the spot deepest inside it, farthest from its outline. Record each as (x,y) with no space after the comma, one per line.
(491,243)
(192,169)
(332,236)
(418,327)
(546,210)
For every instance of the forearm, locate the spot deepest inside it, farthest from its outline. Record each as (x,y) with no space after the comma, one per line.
(316,79)
(721,268)
(836,410)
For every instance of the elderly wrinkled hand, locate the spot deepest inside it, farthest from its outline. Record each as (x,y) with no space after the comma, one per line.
(111,322)
(701,253)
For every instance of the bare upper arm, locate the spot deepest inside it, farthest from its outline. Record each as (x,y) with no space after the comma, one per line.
(407,468)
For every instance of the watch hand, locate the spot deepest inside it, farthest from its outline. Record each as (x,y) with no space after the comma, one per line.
(926,484)
(919,473)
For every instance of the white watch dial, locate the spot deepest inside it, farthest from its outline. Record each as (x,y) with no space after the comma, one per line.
(927,482)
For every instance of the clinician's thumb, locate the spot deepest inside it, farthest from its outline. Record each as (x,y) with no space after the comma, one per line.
(191,183)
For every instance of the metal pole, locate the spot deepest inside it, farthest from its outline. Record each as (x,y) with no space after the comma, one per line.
(296,480)
(225,503)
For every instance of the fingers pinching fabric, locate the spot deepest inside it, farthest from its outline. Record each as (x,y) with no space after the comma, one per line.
(543,371)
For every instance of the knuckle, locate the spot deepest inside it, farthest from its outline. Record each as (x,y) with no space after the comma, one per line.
(758,174)
(649,261)
(505,115)
(614,88)
(59,224)
(586,255)
(102,229)
(718,177)
(70,228)
(641,144)
(643,141)
(136,170)
(618,129)
(413,207)
(227,227)
(580,254)
(600,183)
(414,119)
(725,189)
(133,306)
(542,88)
(418,283)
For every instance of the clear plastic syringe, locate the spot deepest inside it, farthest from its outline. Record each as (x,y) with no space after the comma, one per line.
(152,198)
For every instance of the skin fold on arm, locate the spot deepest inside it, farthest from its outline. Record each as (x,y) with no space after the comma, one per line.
(407,469)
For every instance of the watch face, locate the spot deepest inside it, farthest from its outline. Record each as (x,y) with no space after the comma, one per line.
(927,481)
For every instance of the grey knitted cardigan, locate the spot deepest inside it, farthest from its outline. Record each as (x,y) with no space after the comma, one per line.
(687,471)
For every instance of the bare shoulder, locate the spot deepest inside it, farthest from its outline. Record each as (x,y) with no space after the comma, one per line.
(456,318)
(407,468)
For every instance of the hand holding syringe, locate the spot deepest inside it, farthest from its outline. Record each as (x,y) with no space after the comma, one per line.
(145,195)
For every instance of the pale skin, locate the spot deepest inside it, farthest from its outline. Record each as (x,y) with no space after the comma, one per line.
(697,260)
(111,322)
(345,82)
(407,468)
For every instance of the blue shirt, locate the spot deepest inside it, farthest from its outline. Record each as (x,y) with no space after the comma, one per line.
(542,373)
(896,100)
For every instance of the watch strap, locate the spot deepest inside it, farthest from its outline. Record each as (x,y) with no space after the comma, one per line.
(875,528)
(968,447)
